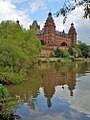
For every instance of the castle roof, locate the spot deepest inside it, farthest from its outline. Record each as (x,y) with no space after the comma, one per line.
(60,33)
(40,32)
(49,16)
(72,29)
(50,22)
(34,22)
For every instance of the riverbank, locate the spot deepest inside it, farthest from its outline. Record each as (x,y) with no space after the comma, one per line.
(63,59)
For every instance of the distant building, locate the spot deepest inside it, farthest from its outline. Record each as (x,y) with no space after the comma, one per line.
(51,38)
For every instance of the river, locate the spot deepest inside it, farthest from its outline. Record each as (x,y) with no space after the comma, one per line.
(55,91)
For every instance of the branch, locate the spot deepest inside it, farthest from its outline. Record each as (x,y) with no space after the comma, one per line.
(70,5)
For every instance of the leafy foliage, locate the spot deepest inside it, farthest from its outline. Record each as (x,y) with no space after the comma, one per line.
(81,50)
(58,53)
(6,104)
(4,94)
(66,54)
(71,50)
(84,49)
(19,48)
(70,5)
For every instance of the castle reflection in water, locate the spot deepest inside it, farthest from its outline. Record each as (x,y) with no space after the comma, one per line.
(48,76)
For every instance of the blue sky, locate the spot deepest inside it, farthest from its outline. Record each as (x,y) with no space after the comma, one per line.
(28,10)
(38,9)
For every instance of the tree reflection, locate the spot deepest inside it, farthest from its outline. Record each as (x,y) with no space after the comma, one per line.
(48,76)
(82,68)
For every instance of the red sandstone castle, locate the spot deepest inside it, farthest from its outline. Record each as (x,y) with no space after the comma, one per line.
(51,38)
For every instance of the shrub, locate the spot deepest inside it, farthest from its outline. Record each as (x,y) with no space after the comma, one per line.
(72,58)
(19,49)
(66,54)
(71,51)
(4,94)
(58,52)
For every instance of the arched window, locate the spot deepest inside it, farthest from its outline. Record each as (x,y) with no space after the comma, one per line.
(63,44)
(42,42)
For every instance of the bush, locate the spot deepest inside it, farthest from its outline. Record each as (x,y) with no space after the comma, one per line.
(19,49)
(8,76)
(83,48)
(58,52)
(72,58)
(71,51)
(4,94)
(66,54)
(6,104)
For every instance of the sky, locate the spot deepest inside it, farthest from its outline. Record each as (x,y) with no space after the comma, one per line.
(26,11)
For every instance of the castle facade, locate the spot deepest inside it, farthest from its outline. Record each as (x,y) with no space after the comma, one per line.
(51,38)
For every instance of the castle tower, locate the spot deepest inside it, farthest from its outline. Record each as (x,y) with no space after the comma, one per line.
(35,25)
(63,33)
(49,30)
(17,22)
(72,34)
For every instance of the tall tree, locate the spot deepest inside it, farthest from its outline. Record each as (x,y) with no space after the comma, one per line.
(19,48)
(83,48)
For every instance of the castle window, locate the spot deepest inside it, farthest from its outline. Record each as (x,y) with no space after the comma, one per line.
(63,44)
(42,42)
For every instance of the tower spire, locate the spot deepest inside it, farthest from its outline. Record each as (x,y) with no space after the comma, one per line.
(72,34)
(17,21)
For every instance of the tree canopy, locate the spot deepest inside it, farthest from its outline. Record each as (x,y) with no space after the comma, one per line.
(19,48)
(84,49)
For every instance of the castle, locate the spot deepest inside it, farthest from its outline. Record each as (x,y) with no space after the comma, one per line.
(52,39)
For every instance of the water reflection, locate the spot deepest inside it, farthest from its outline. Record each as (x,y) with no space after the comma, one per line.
(54,75)
(40,94)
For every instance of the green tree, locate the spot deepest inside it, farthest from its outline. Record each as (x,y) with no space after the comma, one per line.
(4,94)
(83,48)
(33,45)
(58,52)
(19,48)
(71,50)
(66,54)
(89,51)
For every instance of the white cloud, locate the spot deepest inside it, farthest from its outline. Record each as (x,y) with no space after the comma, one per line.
(59,23)
(8,11)
(79,101)
(82,25)
(36,5)
(17,1)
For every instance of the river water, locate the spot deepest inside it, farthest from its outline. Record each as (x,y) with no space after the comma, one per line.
(55,91)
